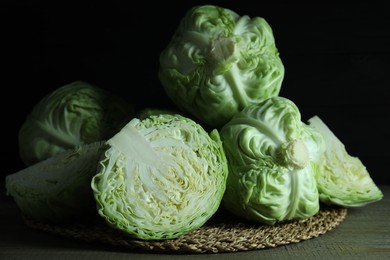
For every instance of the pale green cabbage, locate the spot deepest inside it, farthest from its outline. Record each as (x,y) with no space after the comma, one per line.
(162,177)
(219,62)
(342,179)
(147,112)
(272,158)
(58,189)
(74,114)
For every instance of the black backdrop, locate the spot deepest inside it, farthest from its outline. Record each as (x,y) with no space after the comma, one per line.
(336,56)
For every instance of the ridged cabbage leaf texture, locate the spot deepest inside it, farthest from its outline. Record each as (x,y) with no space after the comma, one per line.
(219,62)
(272,159)
(74,114)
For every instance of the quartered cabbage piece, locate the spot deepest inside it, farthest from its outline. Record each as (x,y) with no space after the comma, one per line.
(342,179)
(58,189)
(162,177)
(219,62)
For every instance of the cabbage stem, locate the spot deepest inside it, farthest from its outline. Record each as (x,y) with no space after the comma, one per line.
(134,145)
(293,154)
(223,51)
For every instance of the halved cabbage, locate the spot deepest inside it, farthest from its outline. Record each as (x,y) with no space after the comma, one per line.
(162,177)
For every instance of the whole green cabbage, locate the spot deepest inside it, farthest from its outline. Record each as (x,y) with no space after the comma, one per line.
(342,179)
(57,189)
(161,177)
(272,158)
(74,114)
(219,62)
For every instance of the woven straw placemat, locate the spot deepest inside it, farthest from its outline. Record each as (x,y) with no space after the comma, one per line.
(222,233)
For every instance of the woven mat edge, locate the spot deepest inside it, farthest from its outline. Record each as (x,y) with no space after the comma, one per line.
(217,237)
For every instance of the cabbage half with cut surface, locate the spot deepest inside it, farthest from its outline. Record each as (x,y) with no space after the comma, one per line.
(162,177)
(57,189)
(342,179)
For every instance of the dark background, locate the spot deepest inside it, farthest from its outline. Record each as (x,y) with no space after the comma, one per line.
(336,57)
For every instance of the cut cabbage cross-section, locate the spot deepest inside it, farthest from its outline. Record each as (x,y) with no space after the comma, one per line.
(342,179)
(162,177)
(57,189)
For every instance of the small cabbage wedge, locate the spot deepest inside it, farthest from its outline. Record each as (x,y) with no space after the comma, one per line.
(342,179)
(219,62)
(74,114)
(162,177)
(272,159)
(58,189)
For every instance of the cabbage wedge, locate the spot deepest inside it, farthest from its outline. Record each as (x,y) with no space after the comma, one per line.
(342,179)
(162,177)
(57,189)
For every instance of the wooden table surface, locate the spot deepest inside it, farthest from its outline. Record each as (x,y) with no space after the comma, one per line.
(364,234)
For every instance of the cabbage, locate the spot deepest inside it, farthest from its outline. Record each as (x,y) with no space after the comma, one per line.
(58,189)
(342,179)
(162,177)
(147,112)
(218,62)
(74,114)
(272,159)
